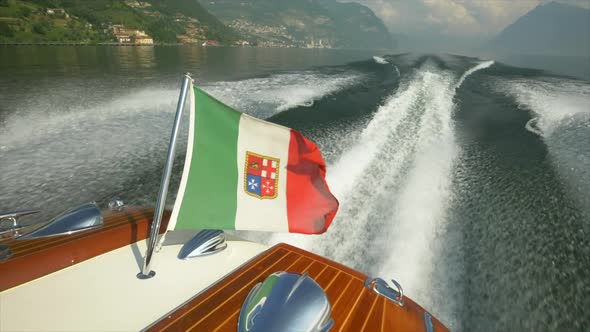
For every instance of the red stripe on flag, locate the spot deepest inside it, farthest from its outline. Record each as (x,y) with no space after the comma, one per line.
(310,204)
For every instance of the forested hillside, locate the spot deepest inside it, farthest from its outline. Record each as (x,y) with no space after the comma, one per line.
(90,21)
(301,23)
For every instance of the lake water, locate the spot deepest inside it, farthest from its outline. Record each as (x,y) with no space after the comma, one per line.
(465,179)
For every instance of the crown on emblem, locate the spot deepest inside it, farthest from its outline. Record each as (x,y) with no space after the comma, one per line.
(254,165)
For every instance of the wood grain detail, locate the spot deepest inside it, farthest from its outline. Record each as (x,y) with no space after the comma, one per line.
(36,258)
(354,307)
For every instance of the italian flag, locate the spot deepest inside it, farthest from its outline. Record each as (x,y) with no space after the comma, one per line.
(248,174)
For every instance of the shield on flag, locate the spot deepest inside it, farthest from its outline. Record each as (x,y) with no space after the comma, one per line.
(261,176)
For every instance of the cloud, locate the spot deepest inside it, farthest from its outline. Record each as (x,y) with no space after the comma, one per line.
(386,9)
(452,17)
(458,18)
(493,16)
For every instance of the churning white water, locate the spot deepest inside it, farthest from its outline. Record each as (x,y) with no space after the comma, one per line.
(95,148)
(87,149)
(267,96)
(394,186)
(560,110)
(380,60)
(480,66)
(554,102)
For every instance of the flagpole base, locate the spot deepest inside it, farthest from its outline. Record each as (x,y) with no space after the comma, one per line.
(142,276)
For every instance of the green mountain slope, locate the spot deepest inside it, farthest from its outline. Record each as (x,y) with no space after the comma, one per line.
(89,21)
(192,8)
(28,21)
(303,22)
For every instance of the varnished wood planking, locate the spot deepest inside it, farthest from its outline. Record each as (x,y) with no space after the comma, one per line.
(212,297)
(112,220)
(316,269)
(367,316)
(358,315)
(230,323)
(375,317)
(347,304)
(388,324)
(353,306)
(327,277)
(212,321)
(301,266)
(35,258)
(234,300)
(337,288)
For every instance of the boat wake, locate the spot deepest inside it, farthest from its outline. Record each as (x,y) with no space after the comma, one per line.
(99,149)
(380,60)
(482,65)
(561,116)
(91,150)
(555,102)
(394,185)
(265,97)
(431,156)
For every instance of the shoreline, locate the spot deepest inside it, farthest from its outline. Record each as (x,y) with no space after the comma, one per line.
(173,44)
(88,44)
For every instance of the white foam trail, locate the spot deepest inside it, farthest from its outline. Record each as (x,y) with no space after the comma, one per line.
(351,165)
(561,116)
(531,126)
(394,186)
(380,60)
(554,101)
(421,205)
(397,71)
(39,121)
(480,66)
(264,97)
(90,150)
(420,208)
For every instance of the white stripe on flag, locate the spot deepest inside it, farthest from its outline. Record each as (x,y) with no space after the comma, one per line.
(268,140)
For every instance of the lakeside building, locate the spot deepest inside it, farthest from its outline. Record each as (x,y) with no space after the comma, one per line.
(137,4)
(123,39)
(59,12)
(142,40)
(126,35)
(211,43)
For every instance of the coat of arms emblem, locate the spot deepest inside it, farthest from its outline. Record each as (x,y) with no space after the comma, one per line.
(261,177)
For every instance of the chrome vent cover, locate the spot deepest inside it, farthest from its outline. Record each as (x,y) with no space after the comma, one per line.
(206,242)
(84,217)
(286,302)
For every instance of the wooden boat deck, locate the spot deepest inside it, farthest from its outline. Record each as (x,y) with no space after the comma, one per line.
(32,259)
(354,307)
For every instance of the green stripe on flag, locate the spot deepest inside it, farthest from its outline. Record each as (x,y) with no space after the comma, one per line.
(210,196)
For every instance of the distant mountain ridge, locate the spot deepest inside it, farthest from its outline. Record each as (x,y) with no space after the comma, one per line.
(275,23)
(552,28)
(301,23)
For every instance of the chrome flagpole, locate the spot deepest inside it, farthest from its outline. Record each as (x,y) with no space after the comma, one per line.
(146,271)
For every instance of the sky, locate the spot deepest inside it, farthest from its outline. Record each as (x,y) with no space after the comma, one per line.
(452,23)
